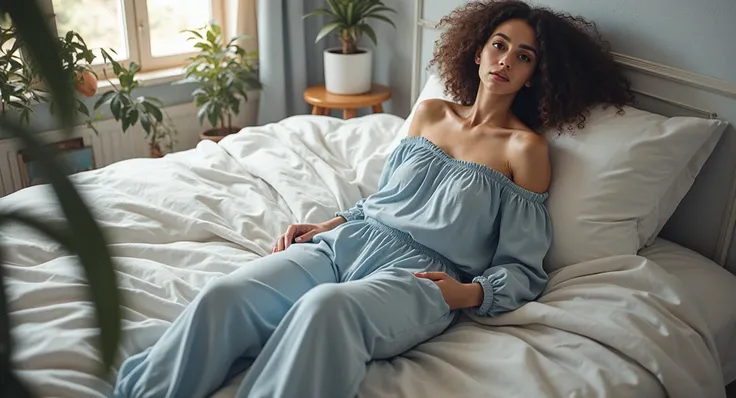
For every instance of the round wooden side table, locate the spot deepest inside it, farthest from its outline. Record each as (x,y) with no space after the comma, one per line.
(322,101)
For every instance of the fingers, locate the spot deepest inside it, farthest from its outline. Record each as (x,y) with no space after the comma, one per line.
(306,237)
(280,244)
(289,236)
(433,276)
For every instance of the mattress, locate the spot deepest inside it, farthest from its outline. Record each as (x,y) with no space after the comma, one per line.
(710,287)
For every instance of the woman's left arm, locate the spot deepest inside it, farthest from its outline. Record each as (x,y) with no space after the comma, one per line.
(516,275)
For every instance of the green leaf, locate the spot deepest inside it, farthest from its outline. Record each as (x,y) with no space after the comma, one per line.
(115,106)
(154,111)
(105,97)
(146,123)
(126,124)
(193,32)
(349,15)
(81,40)
(334,8)
(132,116)
(214,114)
(202,112)
(235,38)
(326,30)
(319,11)
(381,9)
(83,108)
(369,31)
(125,99)
(203,46)
(87,240)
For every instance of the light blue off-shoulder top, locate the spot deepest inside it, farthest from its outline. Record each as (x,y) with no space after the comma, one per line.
(493,231)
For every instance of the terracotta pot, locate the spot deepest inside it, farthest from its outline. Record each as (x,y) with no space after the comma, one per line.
(218,133)
(85,83)
(156,151)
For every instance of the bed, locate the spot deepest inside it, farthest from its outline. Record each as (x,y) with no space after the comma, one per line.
(652,323)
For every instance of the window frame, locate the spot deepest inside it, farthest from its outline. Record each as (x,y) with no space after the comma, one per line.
(137,35)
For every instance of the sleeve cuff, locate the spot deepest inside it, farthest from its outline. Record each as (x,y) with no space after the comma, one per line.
(350,215)
(487,305)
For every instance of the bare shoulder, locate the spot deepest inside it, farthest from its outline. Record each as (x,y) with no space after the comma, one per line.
(428,112)
(529,160)
(526,141)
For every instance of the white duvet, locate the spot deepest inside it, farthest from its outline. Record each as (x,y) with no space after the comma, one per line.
(614,327)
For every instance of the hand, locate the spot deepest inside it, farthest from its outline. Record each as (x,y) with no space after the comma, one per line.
(457,295)
(298,233)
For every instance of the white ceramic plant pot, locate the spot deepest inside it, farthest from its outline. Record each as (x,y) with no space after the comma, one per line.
(347,74)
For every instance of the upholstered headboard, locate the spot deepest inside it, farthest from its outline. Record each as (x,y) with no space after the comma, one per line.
(706,218)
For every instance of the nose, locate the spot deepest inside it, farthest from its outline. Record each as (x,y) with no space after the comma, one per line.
(504,63)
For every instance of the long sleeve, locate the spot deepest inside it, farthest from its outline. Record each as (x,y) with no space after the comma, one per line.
(393,161)
(516,275)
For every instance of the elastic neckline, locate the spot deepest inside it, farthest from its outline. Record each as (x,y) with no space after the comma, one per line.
(491,173)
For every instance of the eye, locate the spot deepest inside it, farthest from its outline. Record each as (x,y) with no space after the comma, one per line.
(525,58)
(498,45)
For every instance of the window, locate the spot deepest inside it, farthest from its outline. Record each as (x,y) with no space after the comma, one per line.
(147,32)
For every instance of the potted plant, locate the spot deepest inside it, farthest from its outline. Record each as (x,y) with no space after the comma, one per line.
(129,109)
(76,60)
(224,73)
(348,70)
(17,89)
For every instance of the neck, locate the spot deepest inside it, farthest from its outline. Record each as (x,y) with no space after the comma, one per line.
(491,109)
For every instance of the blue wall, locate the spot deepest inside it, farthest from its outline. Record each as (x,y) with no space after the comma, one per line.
(693,35)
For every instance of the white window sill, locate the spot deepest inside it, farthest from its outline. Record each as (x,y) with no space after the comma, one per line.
(147,78)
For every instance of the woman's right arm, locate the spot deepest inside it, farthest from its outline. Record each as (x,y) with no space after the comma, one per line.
(300,233)
(426,112)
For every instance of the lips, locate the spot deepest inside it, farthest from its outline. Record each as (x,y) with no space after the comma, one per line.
(499,77)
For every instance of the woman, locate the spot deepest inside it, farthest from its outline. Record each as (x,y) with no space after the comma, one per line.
(458,222)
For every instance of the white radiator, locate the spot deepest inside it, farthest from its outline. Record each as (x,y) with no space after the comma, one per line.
(112,145)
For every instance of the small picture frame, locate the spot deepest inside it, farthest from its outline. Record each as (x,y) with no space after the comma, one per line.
(73,153)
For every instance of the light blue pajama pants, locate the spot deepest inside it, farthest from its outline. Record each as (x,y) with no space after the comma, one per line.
(309,319)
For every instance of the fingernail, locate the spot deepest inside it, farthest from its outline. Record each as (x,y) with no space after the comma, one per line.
(298,239)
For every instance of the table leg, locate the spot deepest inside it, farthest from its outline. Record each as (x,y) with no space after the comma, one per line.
(348,113)
(316,110)
(378,108)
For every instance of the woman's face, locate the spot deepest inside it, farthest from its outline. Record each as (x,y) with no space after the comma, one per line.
(508,59)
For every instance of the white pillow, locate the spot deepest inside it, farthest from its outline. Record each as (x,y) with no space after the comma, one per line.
(683,182)
(433,88)
(616,182)
(612,182)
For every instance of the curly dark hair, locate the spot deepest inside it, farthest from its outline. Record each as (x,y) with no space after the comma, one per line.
(575,68)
